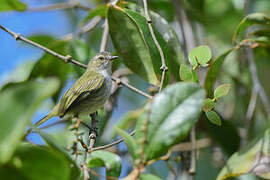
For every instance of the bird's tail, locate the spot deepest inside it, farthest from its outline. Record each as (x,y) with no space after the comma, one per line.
(44,119)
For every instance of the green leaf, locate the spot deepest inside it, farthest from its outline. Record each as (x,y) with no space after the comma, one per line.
(208,104)
(128,120)
(149,177)
(213,71)
(20,103)
(111,161)
(199,55)
(222,90)
(169,35)
(19,75)
(100,10)
(253,158)
(34,162)
(185,73)
(213,117)
(130,143)
(10,5)
(50,66)
(173,113)
(132,39)
(251,19)
(75,171)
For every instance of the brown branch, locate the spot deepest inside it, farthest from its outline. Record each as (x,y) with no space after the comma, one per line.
(104,36)
(192,169)
(163,67)
(187,146)
(69,59)
(59,6)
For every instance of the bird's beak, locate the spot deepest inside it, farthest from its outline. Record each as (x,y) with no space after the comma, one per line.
(113,57)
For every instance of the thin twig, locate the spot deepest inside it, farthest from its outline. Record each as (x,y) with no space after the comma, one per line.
(59,6)
(112,144)
(187,146)
(192,169)
(104,36)
(93,133)
(85,29)
(163,67)
(69,59)
(85,172)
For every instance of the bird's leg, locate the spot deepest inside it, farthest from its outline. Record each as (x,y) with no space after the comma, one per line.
(94,121)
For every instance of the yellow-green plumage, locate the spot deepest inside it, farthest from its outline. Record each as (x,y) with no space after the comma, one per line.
(89,92)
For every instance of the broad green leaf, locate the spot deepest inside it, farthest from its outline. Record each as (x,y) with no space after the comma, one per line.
(208,104)
(149,177)
(10,173)
(50,66)
(75,171)
(130,143)
(213,71)
(222,90)
(251,19)
(12,5)
(168,34)
(80,51)
(132,39)
(185,73)
(173,113)
(213,117)
(100,10)
(199,55)
(110,161)
(19,104)
(128,120)
(34,162)
(19,75)
(253,158)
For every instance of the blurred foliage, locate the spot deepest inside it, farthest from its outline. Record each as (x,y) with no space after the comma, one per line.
(211,89)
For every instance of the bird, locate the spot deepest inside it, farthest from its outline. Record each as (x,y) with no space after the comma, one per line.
(89,92)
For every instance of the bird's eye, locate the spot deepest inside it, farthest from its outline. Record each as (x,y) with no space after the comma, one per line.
(101,57)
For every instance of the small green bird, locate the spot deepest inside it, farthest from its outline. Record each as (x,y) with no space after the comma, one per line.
(89,92)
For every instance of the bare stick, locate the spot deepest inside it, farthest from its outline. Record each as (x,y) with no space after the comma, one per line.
(187,146)
(69,59)
(163,67)
(192,169)
(104,36)
(112,144)
(59,6)
(93,133)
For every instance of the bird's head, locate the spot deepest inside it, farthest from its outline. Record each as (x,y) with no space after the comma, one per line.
(102,61)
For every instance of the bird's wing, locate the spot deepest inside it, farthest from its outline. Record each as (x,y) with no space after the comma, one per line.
(89,82)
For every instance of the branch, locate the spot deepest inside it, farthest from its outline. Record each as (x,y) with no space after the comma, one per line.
(69,59)
(187,146)
(163,67)
(58,6)
(104,36)
(192,169)
(112,144)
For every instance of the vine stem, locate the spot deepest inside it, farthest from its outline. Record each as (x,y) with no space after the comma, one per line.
(69,59)
(163,67)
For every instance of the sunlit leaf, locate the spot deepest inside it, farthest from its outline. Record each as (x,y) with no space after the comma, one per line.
(251,19)
(173,113)
(222,90)
(12,5)
(199,55)
(213,71)
(110,161)
(253,158)
(19,104)
(213,117)
(185,73)
(132,39)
